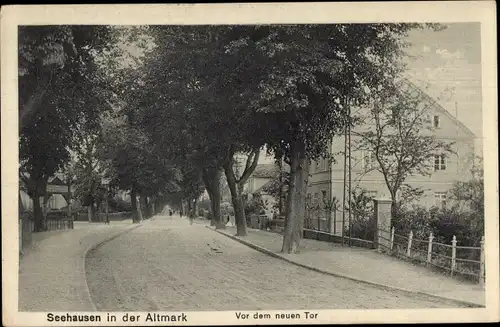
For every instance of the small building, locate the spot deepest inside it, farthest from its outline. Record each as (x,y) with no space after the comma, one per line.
(57,191)
(263,174)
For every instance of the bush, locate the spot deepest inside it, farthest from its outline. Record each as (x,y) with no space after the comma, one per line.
(361,214)
(254,206)
(418,219)
(444,223)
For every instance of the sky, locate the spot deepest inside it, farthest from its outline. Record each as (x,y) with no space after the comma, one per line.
(448,62)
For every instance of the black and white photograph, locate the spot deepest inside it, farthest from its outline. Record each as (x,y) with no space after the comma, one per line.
(163,171)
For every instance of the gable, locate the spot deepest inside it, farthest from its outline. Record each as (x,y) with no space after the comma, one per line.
(437,109)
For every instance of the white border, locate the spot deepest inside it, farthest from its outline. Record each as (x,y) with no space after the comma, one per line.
(425,11)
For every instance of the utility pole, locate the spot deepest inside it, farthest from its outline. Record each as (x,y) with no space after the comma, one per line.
(456,141)
(345,174)
(349,145)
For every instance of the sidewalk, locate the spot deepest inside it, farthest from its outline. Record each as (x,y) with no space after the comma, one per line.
(52,269)
(363,265)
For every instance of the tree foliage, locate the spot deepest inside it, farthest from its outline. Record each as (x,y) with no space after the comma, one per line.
(59,82)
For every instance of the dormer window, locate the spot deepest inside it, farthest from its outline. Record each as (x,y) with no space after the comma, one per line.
(436,121)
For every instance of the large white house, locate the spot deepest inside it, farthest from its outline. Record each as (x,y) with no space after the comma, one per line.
(327,180)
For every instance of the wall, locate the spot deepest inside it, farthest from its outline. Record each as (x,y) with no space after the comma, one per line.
(254,183)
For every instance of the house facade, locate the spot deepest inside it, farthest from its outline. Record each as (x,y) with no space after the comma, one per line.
(327,180)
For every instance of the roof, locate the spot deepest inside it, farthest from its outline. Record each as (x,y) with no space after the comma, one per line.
(266,171)
(263,187)
(56,181)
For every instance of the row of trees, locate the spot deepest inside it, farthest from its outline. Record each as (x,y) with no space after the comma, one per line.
(204,95)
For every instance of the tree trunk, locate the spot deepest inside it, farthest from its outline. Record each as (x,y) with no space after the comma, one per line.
(394,204)
(69,198)
(153,208)
(89,212)
(195,208)
(141,207)
(219,223)
(297,190)
(37,213)
(189,209)
(211,178)
(148,207)
(280,200)
(45,210)
(212,220)
(236,199)
(135,211)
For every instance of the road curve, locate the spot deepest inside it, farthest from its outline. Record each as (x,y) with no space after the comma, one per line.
(170,265)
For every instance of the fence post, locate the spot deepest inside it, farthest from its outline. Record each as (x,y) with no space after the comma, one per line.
(319,222)
(408,249)
(429,249)
(335,219)
(379,235)
(393,230)
(453,254)
(481,264)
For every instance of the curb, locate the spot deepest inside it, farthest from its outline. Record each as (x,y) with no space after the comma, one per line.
(382,286)
(95,246)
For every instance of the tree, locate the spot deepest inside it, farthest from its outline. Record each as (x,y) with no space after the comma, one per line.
(88,169)
(469,195)
(236,183)
(401,137)
(312,72)
(58,78)
(133,164)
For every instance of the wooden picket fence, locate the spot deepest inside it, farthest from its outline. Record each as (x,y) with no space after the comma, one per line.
(427,251)
(52,224)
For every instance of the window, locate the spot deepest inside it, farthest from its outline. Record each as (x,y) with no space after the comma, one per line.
(439,162)
(427,119)
(308,199)
(315,198)
(368,160)
(314,165)
(324,164)
(323,194)
(439,198)
(437,122)
(371,194)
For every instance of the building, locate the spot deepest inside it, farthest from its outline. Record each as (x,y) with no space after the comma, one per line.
(327,180)
(57,194)
(263,174)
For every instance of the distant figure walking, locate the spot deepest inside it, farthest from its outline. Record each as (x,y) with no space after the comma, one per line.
(170,213)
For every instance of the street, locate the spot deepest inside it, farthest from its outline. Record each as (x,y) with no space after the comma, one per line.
(168,264)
